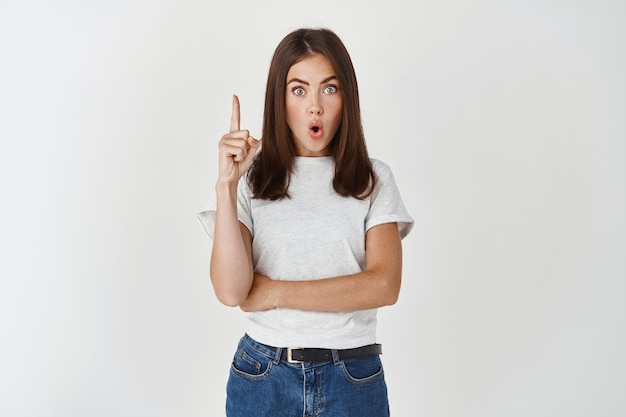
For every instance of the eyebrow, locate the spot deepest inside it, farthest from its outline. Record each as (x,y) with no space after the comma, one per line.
(298,80)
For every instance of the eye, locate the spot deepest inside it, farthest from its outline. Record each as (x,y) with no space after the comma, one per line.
(298,91)
(330,89)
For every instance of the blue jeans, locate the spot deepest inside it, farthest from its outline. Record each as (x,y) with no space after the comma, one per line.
(261,385)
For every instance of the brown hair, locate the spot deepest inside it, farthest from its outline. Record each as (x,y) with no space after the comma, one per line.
(270,173)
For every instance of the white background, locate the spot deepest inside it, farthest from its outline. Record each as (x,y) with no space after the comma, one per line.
(503,121)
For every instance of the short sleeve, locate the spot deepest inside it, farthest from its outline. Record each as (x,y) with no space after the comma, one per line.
(206,216)
(386,205)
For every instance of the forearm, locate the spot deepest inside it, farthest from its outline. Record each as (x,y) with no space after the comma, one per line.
(231,259)
(362,291)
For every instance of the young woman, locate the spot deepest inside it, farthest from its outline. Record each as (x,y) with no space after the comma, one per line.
(306,233)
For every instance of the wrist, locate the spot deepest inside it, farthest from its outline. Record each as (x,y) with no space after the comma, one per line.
(225,188)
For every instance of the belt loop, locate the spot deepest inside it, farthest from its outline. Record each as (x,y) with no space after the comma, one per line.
(335,354)
(277,355)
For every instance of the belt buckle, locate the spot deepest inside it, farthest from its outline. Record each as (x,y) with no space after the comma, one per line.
(290,358)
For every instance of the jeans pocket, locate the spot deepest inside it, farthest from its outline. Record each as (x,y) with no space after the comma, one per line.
(250,364)
(363,370)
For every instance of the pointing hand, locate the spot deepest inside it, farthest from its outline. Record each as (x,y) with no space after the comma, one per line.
(237,149)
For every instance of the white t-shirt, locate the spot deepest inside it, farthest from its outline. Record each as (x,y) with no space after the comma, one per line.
(316,233)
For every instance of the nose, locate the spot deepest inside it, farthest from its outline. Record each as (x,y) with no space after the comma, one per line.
(315,106)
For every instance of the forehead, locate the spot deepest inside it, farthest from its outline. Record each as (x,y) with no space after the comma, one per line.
(311,67)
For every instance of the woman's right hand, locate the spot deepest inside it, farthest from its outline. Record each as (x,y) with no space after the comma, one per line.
(237,149)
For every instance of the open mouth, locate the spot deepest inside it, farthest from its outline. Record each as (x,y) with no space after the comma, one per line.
(316,132)
(316,129)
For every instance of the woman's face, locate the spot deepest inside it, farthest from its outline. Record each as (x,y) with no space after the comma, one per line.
(313,105)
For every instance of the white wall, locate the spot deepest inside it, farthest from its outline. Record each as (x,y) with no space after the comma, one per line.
(504,123)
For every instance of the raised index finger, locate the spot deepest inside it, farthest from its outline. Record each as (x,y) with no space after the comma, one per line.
(234,119)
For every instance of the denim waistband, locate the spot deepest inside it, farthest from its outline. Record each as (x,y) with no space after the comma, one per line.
(310,355)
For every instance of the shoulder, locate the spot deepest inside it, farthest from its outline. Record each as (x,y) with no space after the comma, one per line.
(381,169)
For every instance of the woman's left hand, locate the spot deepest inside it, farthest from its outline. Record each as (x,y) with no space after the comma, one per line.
(262,295)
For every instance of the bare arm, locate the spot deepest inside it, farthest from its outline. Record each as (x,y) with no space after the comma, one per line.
(377,286)
(231,259)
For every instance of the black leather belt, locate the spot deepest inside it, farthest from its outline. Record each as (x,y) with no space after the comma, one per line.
(297,355)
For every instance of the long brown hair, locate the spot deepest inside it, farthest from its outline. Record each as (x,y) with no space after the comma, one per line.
(270,173)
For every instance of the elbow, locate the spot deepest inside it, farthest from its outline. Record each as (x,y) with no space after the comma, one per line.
(229,293)
(230,290)
(229,299)
(391,290)
(391,298)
